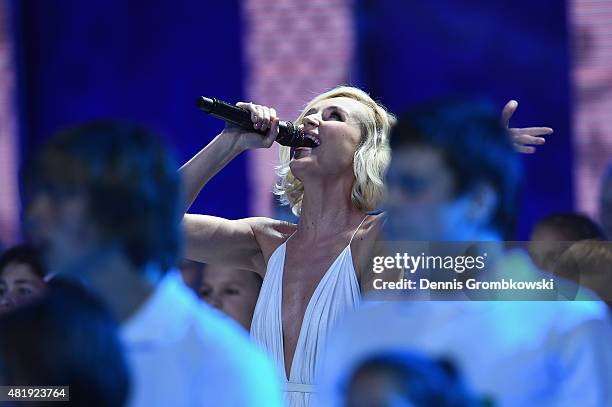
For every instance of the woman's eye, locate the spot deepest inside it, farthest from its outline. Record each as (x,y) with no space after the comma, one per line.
(334,116)
(204,293)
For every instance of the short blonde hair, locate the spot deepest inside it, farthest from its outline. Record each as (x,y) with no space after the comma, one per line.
(370,161)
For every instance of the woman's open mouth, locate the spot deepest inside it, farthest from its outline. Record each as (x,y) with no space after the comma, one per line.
(300,152)
(313,139)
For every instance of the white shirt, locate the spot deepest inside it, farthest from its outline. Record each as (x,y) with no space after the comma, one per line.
(521,353)
(182,352)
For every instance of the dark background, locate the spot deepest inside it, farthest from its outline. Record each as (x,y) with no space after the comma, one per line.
(138,60)
(501,50)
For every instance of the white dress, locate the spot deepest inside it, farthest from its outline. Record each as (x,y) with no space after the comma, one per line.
(337,292)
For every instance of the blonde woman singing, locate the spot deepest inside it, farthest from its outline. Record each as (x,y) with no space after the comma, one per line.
(311,271)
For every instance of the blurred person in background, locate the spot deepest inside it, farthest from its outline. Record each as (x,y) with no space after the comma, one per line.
(553,234)
(311,271)
(192,273)
(103,202)
(232,291)
(405,379)
(589,264)
(454,177)
(22,277)
(67,338)
(605,202)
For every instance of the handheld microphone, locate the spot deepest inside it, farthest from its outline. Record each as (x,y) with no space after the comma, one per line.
(288,134)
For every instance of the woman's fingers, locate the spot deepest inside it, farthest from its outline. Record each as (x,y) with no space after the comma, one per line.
(534,131)
(524,149)
(272,133)
(273,128)
(508,111)
(522,138)
(252,108)
(260,117)
(263,117)
(528,139)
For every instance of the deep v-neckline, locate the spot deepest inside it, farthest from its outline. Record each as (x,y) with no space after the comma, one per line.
(308,305)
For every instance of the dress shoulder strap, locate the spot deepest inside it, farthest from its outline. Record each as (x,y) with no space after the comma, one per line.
(290,236)
(355,232)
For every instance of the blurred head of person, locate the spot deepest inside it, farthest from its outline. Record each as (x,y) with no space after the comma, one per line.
(67,338)
(104,187)
(192,272)
(401,379)
(232,291)
(589,264)
(453,175)
(553,234)
(605,202)
(21,277)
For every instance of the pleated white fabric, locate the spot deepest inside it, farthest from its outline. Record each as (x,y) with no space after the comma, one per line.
(337,292)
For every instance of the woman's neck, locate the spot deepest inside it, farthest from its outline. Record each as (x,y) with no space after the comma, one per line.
(327,208)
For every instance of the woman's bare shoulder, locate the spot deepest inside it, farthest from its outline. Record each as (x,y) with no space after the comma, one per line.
(270,233)
(373,226)
(365,242)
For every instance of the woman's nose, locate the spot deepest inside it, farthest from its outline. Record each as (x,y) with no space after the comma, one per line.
(310,122)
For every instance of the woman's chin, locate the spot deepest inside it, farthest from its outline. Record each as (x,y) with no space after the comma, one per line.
(301,163)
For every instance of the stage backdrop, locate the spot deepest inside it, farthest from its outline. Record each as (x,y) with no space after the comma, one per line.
(591,23)
(147,62)
(505,49)
(9,136)
(136,60)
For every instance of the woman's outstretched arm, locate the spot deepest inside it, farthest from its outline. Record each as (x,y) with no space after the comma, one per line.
(216,240)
